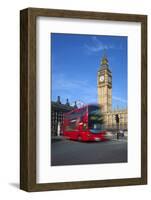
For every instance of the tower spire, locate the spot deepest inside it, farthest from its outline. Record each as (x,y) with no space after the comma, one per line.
(104,53)
(104,61)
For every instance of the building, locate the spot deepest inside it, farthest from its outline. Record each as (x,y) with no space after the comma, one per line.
(104,86)
(57,111)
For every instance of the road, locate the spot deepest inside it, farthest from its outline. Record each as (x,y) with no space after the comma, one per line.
(67,152)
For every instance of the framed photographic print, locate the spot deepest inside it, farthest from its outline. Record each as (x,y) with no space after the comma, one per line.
(83,99)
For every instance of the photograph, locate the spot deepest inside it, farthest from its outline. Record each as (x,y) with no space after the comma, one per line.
(89,103)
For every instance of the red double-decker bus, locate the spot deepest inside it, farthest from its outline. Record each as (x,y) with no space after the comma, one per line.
(84,124)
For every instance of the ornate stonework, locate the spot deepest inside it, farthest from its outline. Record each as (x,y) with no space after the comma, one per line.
(104,85)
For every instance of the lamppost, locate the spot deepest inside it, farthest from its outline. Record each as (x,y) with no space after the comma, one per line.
(117,119)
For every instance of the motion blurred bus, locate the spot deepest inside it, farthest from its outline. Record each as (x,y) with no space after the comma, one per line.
(84,124)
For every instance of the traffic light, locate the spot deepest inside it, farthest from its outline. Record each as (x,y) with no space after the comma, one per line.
(117,118)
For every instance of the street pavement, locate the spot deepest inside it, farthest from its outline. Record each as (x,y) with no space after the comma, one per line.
(68,152)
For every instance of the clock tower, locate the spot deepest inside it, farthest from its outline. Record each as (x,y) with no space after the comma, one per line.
(104,85)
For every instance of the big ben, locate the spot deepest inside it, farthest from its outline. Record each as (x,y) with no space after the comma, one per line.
(104,85)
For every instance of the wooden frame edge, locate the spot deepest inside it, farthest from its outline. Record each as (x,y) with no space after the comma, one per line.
(27,100)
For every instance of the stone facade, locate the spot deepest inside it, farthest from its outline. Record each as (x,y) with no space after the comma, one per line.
(104,85)
(57,111)
(110,122)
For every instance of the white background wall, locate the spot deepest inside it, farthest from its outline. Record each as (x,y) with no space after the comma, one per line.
(9,98)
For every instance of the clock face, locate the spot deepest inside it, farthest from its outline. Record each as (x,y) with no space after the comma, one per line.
(101,78)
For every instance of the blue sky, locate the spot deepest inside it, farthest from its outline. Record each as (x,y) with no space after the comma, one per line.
(75,61)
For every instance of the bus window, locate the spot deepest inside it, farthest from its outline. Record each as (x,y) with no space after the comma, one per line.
(95,119)
(72,125)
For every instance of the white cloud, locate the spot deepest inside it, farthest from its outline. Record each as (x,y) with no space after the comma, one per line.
(60,81)
(97,45)
(119,99)
(73,89)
